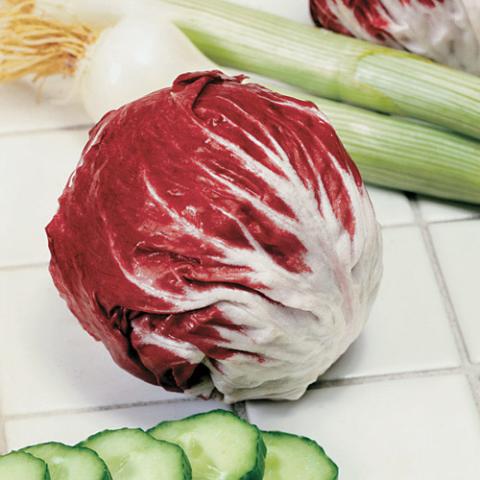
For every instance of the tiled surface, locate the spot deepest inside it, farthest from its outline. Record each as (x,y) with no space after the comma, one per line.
(398,336)
(47,352)
(439,210)
(398,405)
(418,429)
(458,247)
(33,170)
(391,208)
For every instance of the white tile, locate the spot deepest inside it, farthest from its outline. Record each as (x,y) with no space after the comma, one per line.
(441,210)
(297,10)
(398,336)
(47,361)
(33,170)
(392,208)
(422,429)
(73,428)
(23,109)
(3,442)
(458,248)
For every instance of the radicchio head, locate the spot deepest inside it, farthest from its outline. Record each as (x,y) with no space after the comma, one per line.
(217,238)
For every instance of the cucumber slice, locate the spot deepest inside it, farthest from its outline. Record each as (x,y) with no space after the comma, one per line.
(290,456)
(219,445)
(132,454)
(70,463)
(22,466)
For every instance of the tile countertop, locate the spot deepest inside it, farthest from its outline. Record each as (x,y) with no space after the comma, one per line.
(403,403)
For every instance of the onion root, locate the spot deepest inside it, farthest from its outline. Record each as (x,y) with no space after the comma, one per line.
(31,44)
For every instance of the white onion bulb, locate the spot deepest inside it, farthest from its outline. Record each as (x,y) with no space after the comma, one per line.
(133,58)
(139,50)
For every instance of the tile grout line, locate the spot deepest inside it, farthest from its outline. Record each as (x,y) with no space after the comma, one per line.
(3,436)
(386,377)
(240,409)
(441,283)
(394,226)
(26,266)
(430,222)
(467,366)
(40,131)
(470,218)
(3,433)
(99,408)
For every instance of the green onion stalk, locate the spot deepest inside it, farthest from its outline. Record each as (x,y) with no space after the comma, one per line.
(397,153)
(330,65)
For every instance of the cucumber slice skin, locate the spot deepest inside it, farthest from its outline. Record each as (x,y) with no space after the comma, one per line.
(258,468)
(45,452)
(185,467)
(275,435)
(25,459)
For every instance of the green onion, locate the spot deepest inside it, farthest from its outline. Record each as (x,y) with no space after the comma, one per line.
(331,65)
(406,155)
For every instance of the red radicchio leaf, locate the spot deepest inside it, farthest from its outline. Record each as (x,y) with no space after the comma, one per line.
(447,31)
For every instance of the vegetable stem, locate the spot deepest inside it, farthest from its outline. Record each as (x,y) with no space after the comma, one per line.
(401,154)
(332,65)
